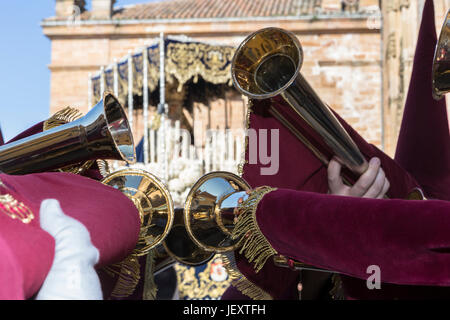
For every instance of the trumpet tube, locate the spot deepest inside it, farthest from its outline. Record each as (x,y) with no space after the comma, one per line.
(103,133)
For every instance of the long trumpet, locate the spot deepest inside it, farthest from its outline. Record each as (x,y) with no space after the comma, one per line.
(103,133)
(441,63)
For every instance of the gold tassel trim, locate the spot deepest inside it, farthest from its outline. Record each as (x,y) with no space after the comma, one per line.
(128,276)
(150,288)
(65,116)
(103,167)
(243,161)
(251,290)
(240,282)
(255,247)
(61,117)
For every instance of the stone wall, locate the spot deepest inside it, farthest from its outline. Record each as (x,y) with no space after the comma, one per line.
(342,65)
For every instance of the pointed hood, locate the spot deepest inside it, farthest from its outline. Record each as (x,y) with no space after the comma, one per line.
(424,142)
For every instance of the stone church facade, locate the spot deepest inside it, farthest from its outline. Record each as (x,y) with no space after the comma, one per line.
(344,51)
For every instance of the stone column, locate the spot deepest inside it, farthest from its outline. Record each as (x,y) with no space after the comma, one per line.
(400,30)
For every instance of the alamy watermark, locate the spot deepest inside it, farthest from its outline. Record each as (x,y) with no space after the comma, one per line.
(374,280)
(74,20)
(258,153)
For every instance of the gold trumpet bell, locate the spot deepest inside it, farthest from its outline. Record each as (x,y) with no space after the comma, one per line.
(266,63)
(209,210)
(103,133)
(153,201)
(441,63)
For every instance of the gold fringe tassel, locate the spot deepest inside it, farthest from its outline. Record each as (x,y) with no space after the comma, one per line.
(150,288)
(243,161)
(64,116)
(61,117)
(240,282)
(255,246)
(128,276)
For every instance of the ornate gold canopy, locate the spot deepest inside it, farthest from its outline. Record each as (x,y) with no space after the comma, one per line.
(184,60)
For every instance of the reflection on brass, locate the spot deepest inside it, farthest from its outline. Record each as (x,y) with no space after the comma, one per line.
(153,201)
(162,226)
(267,64)
(441,64)
(209,210)
(103,133)
(179,247)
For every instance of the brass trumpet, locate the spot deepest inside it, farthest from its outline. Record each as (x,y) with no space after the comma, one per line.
(162,227)
(209,210)
(103,133)
(441,63)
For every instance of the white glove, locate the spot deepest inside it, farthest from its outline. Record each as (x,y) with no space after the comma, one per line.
(72,275)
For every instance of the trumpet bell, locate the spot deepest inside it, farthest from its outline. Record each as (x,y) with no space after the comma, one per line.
(441,63)
(153,201)
(103,133)
(266,63)
(209,210)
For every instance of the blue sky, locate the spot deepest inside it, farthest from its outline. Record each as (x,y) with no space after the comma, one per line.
(24,56)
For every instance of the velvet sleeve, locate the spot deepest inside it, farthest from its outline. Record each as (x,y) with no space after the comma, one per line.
(408,240)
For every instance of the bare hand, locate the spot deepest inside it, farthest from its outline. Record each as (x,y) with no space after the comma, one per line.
(372,184)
